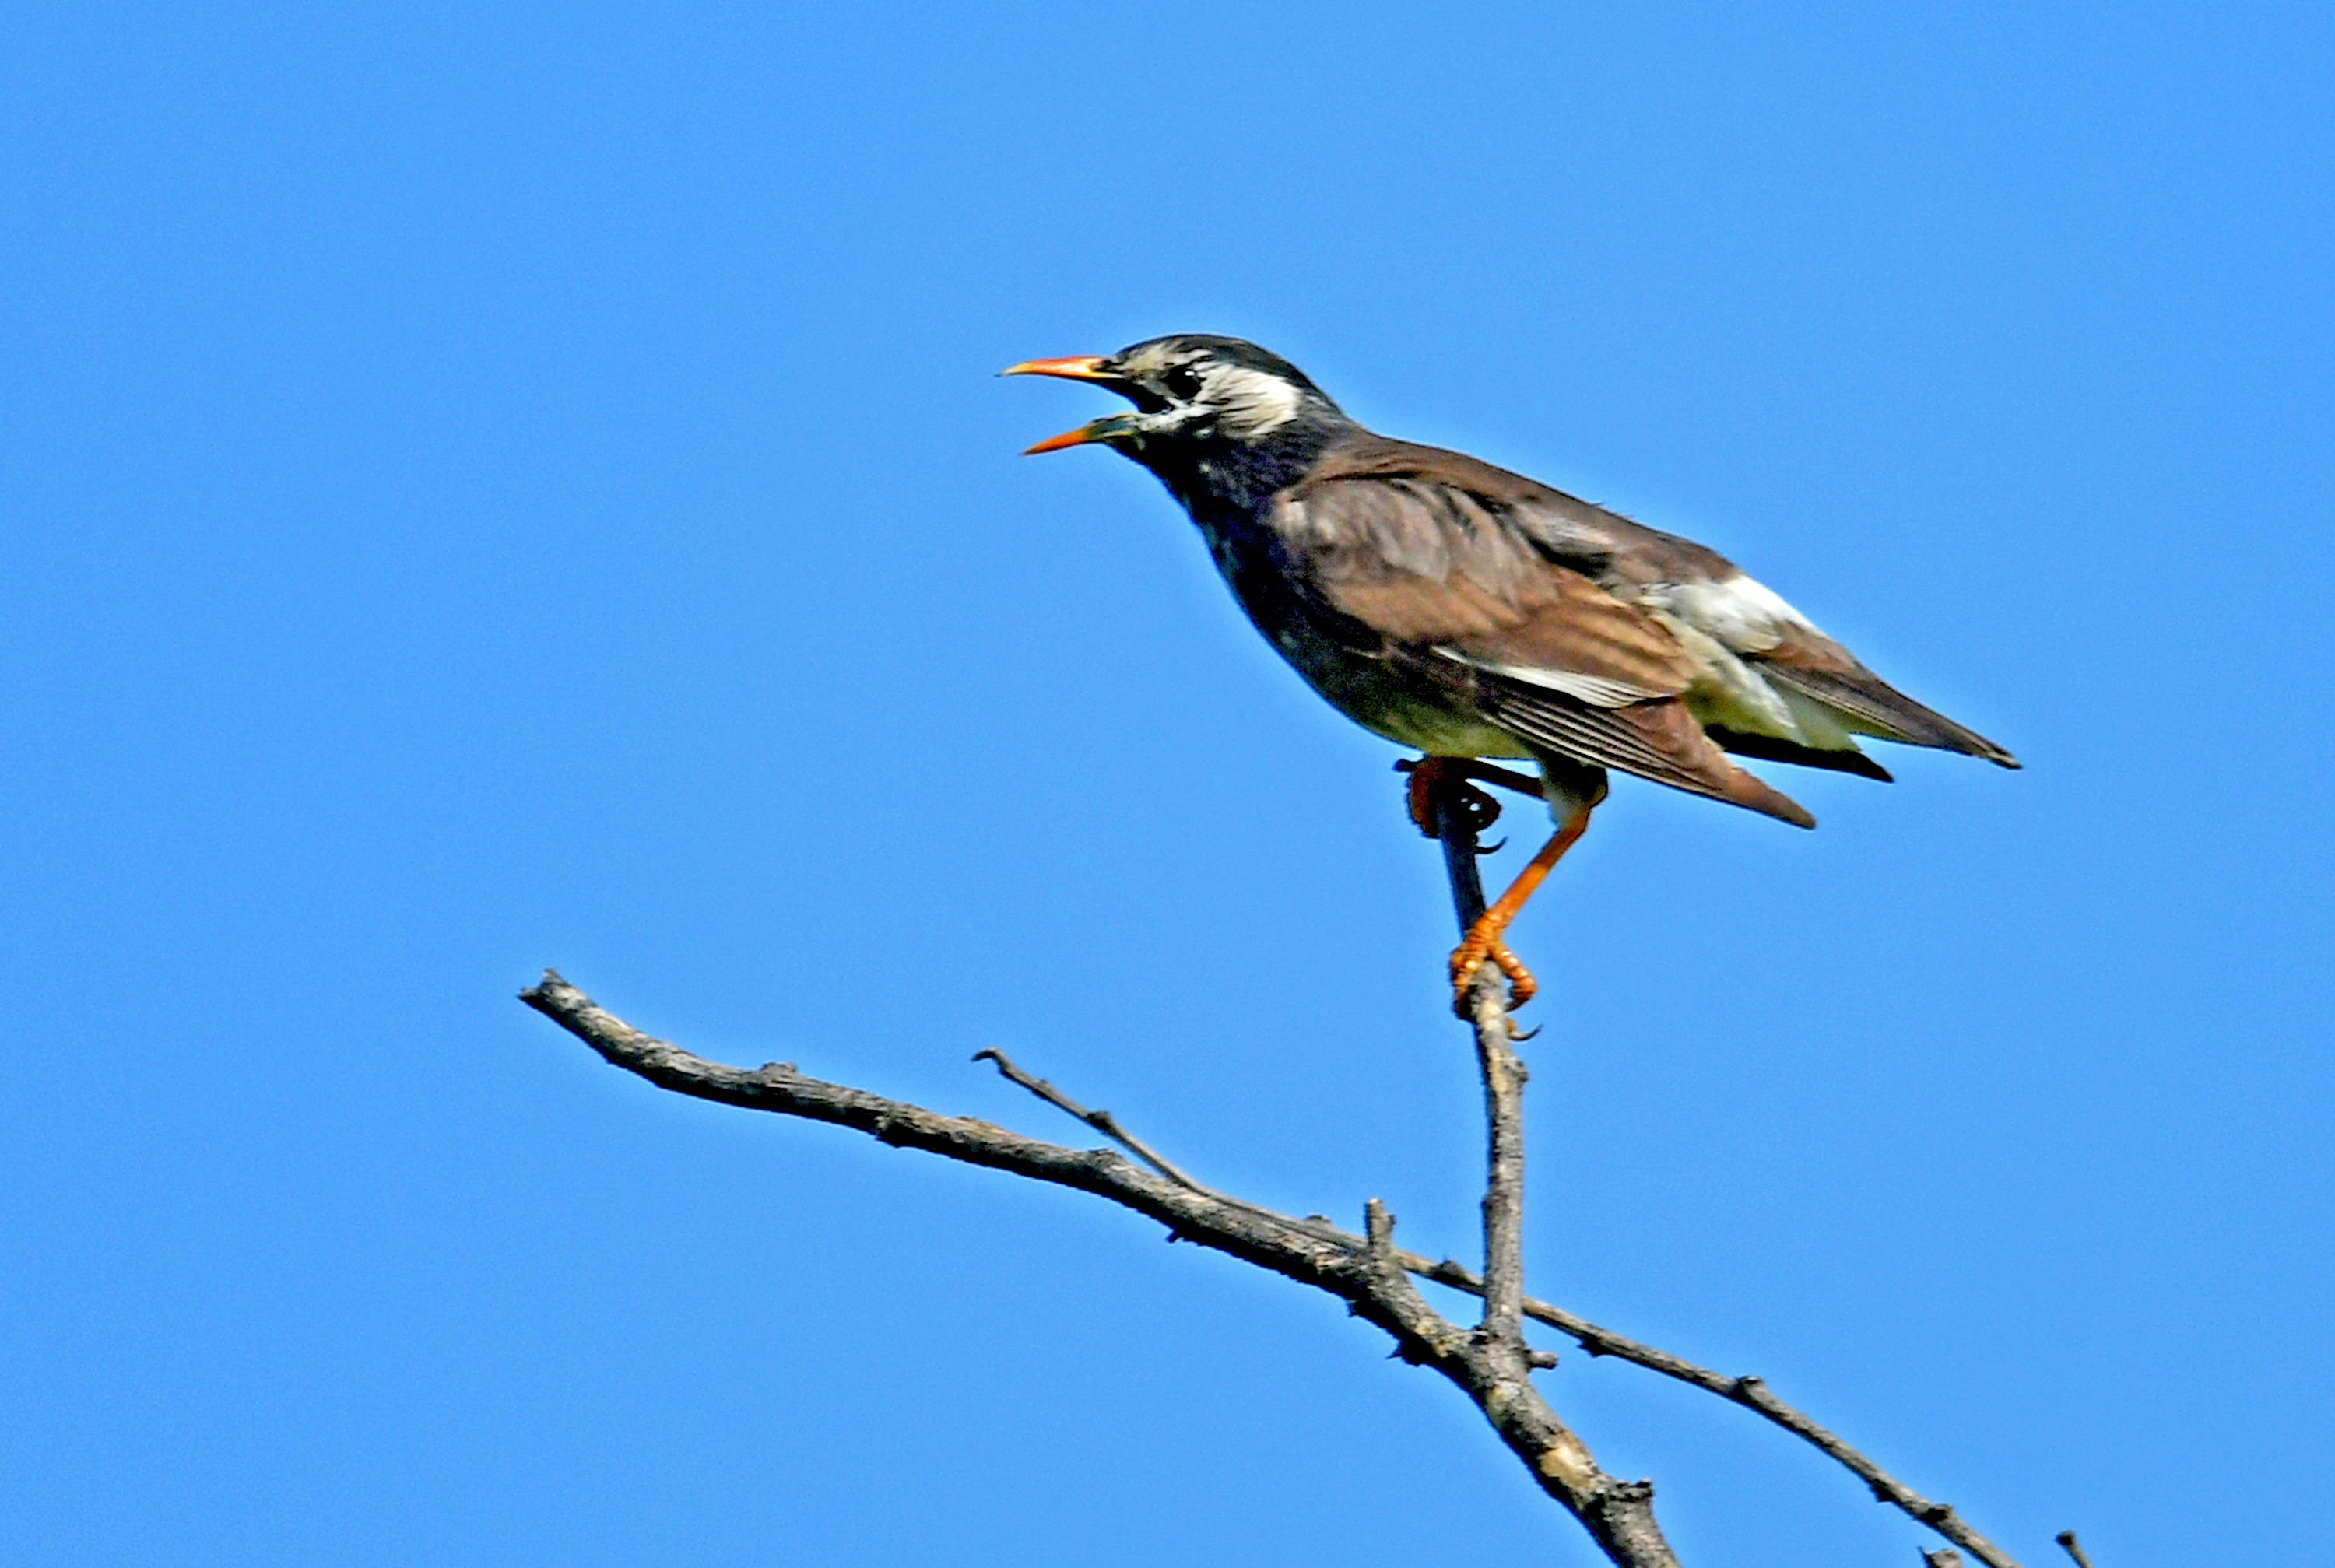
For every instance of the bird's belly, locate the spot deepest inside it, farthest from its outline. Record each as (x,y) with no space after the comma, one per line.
(1382,700)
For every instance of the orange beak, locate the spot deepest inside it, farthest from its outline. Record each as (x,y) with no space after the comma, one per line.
(1077,367)
(1069,438)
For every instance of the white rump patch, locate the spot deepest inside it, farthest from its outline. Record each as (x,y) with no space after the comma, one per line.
(1743,615)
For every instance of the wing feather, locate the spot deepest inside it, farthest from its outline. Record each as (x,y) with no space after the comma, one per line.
(1658,740)
(1579,631)
(1423,558)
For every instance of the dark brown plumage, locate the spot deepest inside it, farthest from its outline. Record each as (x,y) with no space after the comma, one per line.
(1473,612)
(1576,629)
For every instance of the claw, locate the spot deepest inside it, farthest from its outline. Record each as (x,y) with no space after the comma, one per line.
(1522,986)
(1428,774)
(1463,984)
(1470,956)
(1482,811)
(1483,943)
(1506,777)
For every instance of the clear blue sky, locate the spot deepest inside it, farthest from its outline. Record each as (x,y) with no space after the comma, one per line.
(497,485)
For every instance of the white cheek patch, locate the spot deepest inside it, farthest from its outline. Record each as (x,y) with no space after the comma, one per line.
(1248,403)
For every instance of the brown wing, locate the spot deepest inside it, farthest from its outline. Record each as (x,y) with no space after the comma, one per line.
(1600,545)
(1432,549)
(1468,572)
(1658,740)
(1549,623)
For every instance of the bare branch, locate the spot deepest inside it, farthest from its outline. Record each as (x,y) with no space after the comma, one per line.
(1943,1557)
(1458,817)
(1497,1366)
(1364,1271)
(1749,1392)
(2074,1548)
(1306,1250)
(1497,1371)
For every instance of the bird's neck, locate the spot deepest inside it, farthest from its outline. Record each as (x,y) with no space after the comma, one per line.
(1224,479)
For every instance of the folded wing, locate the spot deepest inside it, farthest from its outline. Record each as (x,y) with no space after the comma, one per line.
(1471,575)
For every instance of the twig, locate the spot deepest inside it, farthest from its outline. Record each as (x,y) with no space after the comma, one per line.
(1364,1271)
(1457,818)
(1102,1121)
(1943,1557)
(2075,1548)
(1749,1392)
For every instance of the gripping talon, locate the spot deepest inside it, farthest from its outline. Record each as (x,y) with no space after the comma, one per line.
(1522,986)
(1467,962)
(1483,939)
(1428,774)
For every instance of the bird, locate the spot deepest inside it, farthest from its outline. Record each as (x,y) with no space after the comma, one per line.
(1472,614)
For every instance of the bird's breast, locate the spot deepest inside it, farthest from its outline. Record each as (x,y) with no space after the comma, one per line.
(1334,655)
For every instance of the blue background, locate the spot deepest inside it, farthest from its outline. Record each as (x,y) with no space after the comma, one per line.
(496,486)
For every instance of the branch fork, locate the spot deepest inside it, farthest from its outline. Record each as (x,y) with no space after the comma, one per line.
(1489,1361)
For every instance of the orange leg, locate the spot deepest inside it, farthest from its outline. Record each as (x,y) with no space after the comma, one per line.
(1426,775)
(1483,940)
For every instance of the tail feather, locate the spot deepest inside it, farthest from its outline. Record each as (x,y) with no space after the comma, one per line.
(1868,706)
(1744,743)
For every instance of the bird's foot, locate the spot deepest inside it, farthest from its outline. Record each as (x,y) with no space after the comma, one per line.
(1481,947)
(1428,774)
(1483,939)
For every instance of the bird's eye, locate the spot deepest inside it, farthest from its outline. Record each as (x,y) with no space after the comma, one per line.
(1182,383)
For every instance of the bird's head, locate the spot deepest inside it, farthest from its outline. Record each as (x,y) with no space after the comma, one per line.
(1189,390)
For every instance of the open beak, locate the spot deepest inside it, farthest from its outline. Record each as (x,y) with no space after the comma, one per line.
(1077,367)
(1101,430)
